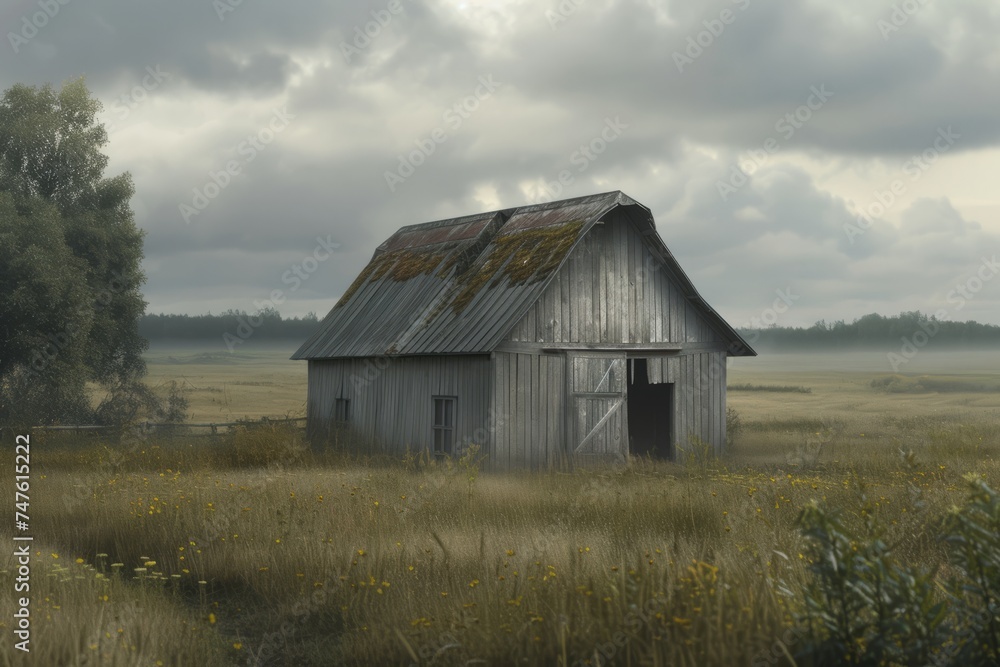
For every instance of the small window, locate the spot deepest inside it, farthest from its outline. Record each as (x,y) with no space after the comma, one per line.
(444,425)
(341,410)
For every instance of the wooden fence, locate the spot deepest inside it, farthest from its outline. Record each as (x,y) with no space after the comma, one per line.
(151,426)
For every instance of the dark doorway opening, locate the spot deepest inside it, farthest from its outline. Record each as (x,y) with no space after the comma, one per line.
(650,414)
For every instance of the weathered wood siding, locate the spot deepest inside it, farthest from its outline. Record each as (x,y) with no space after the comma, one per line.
(536,416)
(391,398)
(699,396)
(613,290)
(528,405)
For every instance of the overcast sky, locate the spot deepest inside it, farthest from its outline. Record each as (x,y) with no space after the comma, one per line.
(871,136)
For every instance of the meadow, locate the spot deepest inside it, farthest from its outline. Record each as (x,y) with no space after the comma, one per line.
(250,548)
(223,386)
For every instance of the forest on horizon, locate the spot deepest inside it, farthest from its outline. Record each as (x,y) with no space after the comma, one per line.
(867,331)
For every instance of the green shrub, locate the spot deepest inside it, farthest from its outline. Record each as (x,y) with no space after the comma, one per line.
(862,607)
(973,535)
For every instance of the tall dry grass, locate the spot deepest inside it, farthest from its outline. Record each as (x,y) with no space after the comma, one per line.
(253,549)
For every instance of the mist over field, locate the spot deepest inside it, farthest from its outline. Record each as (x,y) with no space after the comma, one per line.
(874,358)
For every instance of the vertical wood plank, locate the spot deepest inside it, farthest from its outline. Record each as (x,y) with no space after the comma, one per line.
(690,401)
(500,409)
(707,405)
(603,284)
(723,396)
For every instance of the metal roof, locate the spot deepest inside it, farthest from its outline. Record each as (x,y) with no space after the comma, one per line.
(458,286)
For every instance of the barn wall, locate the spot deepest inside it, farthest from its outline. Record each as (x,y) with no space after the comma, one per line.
(528,405)
(529,402)
(613,290)
(390,398)
(699,395)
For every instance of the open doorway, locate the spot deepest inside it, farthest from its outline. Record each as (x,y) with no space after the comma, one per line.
(650,414)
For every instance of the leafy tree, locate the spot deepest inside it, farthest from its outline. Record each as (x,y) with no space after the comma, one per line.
(70,256)
(42,350)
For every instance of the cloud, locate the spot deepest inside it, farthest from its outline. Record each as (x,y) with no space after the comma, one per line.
(565,69)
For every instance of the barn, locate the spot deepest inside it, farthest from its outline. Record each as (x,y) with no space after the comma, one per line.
(549,335)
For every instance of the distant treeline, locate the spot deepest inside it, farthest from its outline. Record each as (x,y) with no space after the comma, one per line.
(263,326)
(876,331)
(868,331)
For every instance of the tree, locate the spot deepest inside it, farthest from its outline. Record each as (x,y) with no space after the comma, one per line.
(70,256)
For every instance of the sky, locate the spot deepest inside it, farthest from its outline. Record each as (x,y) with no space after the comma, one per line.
(803,160)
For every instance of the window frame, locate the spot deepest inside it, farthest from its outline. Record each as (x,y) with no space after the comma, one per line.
(443,434)
(342,416)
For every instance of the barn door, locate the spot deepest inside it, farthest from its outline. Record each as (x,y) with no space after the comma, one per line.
(597,407)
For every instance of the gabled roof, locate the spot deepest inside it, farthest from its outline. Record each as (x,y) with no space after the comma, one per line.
(458,286)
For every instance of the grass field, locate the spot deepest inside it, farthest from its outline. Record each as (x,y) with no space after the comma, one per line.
(253,550)
(251,382)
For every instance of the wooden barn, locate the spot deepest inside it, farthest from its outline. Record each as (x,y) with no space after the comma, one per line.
(550,335)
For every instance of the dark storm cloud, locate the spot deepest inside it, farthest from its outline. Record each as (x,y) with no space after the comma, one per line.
(888,93)
(361,103)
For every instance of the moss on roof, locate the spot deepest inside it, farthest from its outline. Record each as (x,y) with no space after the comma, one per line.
(523,256)
(400,265)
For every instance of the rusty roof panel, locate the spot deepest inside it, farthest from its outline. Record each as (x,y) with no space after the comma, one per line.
(458,286)
(547,214)
(444,231)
